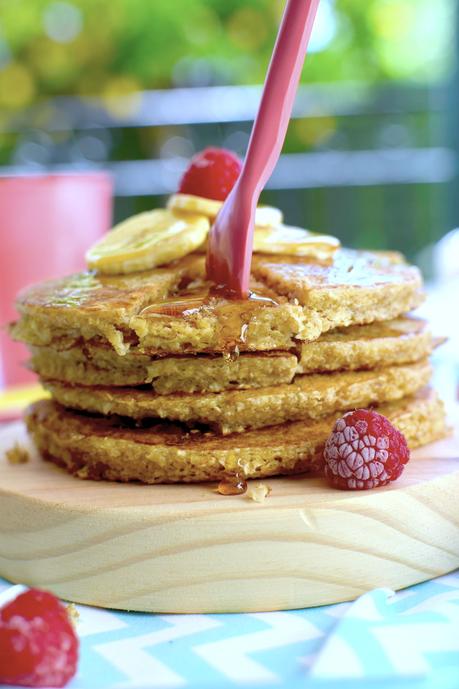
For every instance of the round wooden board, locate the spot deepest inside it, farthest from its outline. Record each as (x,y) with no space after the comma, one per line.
(188,549)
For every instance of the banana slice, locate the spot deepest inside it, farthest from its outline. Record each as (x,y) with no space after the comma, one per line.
(194,204)
(148,240)
(268,216)
(265,216)
(294,241)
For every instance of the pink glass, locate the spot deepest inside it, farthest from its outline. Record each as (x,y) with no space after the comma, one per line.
(47,222)
(231,239)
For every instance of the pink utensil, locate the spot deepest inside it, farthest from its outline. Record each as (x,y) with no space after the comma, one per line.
(46,224)
(231,238)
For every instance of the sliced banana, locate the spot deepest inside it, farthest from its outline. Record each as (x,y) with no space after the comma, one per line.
(148,240)
(294,241)
(268,216)
(265,216)
(194,204)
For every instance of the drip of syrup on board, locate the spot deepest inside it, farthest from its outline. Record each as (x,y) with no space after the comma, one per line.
(232,484)
(231,238)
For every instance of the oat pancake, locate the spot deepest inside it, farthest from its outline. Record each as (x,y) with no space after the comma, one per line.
(172,310)
(197,373)
(309,396)
(402,340)
(398,341)
(113,449)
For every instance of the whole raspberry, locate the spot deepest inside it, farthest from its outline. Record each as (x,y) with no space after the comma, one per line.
(364,451)
(211,173)
(38,645)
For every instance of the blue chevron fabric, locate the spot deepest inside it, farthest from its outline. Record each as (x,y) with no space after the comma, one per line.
(382,640)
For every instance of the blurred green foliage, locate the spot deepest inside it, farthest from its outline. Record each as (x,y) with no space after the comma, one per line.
(115,47)
(112,48)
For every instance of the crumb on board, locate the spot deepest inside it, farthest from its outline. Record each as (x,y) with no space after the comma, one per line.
(73,613)
(82,473)
(259,492)
(18,454)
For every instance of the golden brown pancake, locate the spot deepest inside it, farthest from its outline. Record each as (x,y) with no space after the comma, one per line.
(149,362)
(97,447)
(173,310)
(197,373)
(234,411)
(400,341)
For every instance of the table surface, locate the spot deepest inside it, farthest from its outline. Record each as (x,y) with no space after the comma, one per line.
(408,639)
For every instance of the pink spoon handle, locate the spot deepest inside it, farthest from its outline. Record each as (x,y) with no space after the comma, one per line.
(231,239)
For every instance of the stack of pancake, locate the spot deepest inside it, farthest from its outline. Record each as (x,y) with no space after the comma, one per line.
(156,377)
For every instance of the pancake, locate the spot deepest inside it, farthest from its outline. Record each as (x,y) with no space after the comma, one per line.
(112,449)
(400,341)
(206,373)
(173,310)
(234,411)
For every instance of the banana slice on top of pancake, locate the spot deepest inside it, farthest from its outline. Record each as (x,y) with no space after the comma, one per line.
(265,216)
(147,240)
(294,241)
(157,237)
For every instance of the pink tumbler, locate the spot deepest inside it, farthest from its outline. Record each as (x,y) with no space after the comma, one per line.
(47,222)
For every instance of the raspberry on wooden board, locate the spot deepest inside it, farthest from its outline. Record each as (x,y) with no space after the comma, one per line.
(364,451)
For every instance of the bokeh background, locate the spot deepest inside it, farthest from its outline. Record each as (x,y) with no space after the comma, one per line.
(135,87)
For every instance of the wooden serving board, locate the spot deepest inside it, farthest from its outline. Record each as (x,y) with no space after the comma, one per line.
(189,549)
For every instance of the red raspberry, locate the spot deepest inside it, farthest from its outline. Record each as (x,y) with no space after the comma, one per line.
(38,645)
(364,451)
(211,173)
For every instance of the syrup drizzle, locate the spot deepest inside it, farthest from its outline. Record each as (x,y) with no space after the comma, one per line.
(232,484)
(234,315)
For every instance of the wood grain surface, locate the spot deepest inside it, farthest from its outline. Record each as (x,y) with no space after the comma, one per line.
(185,548)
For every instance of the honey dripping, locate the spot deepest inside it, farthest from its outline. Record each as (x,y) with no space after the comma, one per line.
(184,305)
(234,315)
(232,484)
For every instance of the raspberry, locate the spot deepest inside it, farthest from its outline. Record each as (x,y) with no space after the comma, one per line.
(211,173)
(364,451)
(38,645)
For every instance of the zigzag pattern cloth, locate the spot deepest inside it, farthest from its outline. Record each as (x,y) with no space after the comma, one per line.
(383,639)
